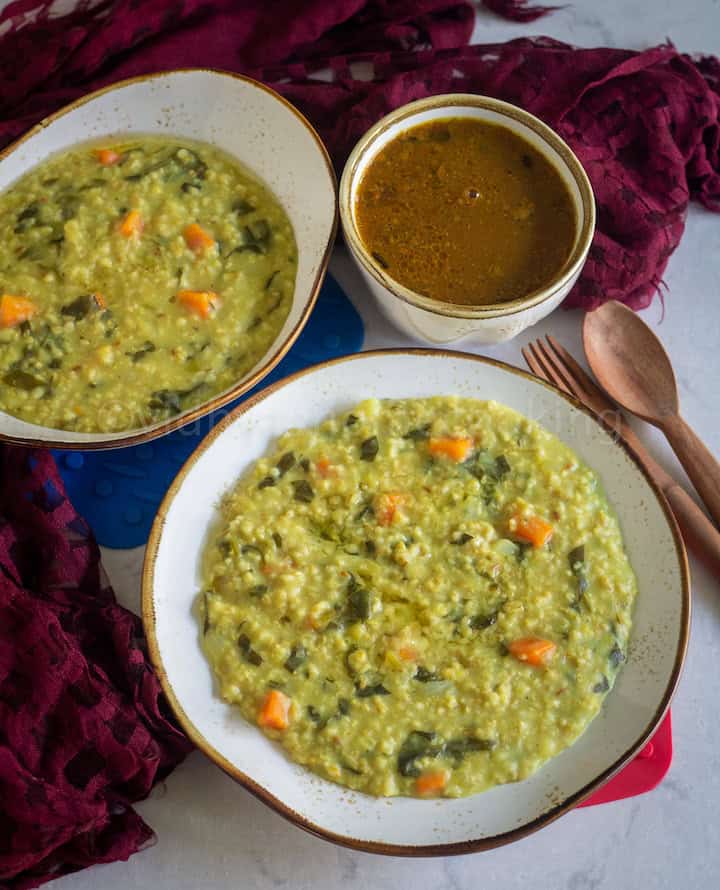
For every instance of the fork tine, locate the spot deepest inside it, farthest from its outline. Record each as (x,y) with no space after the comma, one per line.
(532,363)
(577,371)
(570,384)
(539,365)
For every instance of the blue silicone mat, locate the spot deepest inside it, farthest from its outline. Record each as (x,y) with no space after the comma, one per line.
(119,491)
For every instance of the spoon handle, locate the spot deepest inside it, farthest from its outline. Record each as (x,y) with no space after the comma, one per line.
(699,534)
(702,468)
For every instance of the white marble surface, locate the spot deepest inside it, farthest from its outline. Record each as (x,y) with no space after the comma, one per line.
(213,834)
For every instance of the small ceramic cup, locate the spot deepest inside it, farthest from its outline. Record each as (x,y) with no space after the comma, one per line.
(443,323)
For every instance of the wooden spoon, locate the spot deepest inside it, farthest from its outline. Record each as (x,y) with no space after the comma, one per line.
(631,365)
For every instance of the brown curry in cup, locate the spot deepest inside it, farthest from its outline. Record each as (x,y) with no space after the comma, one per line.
(466,212)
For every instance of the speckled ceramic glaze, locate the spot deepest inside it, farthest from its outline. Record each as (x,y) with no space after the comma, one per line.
(404,826)
(251,123)
(442,323)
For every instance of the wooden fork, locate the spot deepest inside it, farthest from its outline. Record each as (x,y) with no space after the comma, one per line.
(552,362)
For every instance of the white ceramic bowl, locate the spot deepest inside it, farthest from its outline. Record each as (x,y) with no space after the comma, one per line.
(245,119)
(432,320)
(404,826)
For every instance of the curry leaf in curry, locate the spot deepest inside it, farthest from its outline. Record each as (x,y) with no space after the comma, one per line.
(82,306)
(480,622)
(423,675)
(303,491)
(369,448)
(368,691)
(357,607)
(139,354)
(418,744)
(602,686)
(419,434)
(286,462)
(458,749)
(23,380)
(297,657)
(249,654)
(578,566)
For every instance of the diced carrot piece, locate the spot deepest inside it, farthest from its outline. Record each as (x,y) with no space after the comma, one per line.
(386,506)
(107,156)
(456,449)
(271,569)
(533,529)
(197,239)
(408,653)
(132,225)
(533,650)
(15,310)
(431,782)
(200,302)
(274,711)
(100,301)
(325,468)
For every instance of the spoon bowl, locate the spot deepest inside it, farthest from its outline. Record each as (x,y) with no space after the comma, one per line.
(630,362)
(632,366)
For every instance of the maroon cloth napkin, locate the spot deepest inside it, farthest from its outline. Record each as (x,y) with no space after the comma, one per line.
(84,728)
(645,124)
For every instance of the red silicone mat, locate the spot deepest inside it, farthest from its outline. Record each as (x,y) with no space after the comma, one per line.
(643,773)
